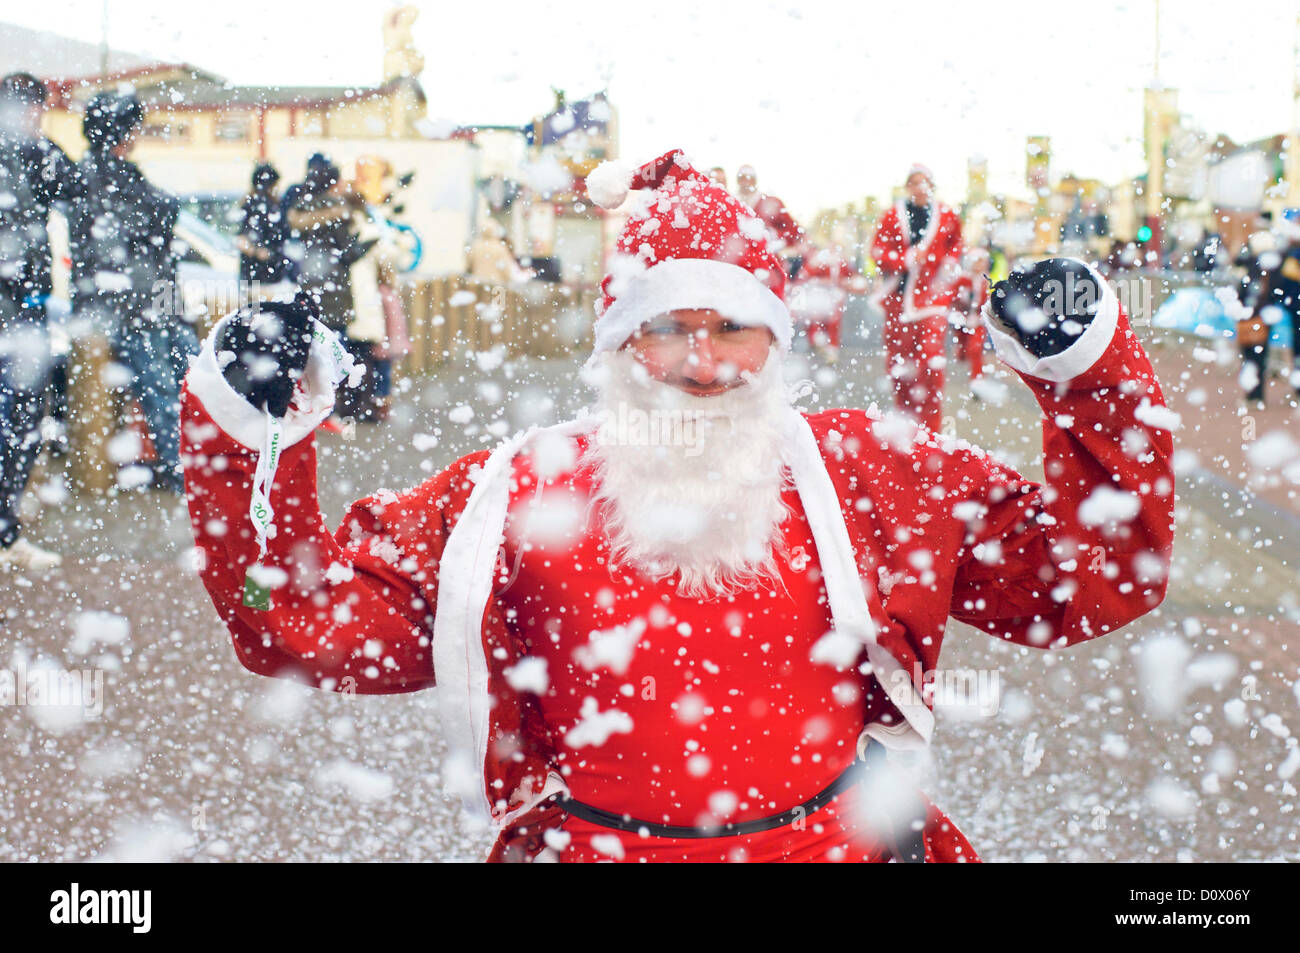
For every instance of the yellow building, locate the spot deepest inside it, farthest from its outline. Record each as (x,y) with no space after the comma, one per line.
(196,116)
(203,135)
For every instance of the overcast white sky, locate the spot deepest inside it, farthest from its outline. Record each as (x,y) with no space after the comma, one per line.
(829,103)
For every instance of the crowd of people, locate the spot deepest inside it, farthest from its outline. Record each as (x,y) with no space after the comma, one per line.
(123,266)
(1266,273)
(320,236)
(928,284)
(325,237)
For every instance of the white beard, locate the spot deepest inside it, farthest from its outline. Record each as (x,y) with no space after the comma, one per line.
(692,485)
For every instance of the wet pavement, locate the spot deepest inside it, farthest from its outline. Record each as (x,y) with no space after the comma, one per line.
(1170,740)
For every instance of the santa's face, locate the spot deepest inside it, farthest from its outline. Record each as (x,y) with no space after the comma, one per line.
(699,350)
(691,484)
(919,188)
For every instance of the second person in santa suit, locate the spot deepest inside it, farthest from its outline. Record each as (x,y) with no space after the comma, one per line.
(972,292)
(918,248)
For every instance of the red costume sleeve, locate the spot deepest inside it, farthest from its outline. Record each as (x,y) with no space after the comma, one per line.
(778,218)
(355,610)
(889,245)
(1058,564)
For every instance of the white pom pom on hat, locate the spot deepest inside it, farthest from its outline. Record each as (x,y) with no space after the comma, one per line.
(609,184)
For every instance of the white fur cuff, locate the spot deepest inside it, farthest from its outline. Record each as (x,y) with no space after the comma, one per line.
(1074,360)
(245,423)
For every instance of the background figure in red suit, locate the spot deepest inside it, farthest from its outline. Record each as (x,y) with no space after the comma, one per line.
(918,251)
(786,236)
(971,291)
(818,297)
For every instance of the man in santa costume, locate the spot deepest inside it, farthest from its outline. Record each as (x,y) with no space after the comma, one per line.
(818,299)
(689,625)
(786,236)
(970,295)
(918,250)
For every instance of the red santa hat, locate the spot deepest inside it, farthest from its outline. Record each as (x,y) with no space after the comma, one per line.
(923,169)
(690,244)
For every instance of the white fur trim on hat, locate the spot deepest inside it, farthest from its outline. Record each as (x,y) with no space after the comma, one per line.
(609,183)
(692,283)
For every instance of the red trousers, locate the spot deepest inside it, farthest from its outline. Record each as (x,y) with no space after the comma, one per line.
(914,360)
(825,333)
(970,345)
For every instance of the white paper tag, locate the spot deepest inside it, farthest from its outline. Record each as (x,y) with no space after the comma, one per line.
(259,505)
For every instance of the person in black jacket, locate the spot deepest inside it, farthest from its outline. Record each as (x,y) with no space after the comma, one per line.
(1255,264)
(263,230)
(322,214)
(124,271)
(34,173)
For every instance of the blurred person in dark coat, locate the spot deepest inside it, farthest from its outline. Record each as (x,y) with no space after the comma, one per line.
(263,229)
(1255,264)
(322,213)
(121,228)
(34,173)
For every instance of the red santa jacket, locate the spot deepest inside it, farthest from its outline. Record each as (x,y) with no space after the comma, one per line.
(923,288)
(937,529)
(787,234)
(970,294)
(828,264)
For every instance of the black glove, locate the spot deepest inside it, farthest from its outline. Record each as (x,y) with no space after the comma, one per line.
(270,342)
(1047,305)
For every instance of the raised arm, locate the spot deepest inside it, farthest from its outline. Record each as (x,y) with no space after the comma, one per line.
(887,245)
(1089,551)
(350,611)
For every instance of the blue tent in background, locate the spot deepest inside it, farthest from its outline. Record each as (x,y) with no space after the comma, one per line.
(1197,311)
(1280,322)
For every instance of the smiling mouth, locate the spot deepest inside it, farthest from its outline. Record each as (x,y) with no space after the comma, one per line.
(707,390)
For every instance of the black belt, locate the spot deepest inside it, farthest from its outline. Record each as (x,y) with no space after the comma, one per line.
(907,845)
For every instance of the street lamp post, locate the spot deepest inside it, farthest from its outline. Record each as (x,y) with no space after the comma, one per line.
(1293,136)
(1157,103)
